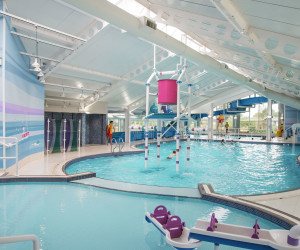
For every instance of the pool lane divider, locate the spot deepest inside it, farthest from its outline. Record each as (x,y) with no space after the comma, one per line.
(278,217)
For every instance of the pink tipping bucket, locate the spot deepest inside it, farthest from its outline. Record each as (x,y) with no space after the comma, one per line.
(167,91)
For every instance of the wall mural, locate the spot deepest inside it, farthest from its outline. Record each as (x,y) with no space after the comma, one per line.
(24,100)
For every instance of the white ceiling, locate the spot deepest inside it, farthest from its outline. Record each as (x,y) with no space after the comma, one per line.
(118,64)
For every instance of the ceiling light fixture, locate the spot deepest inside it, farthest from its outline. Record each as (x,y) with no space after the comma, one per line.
(37,69)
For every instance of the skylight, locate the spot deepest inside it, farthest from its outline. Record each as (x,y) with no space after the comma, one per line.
(136,9)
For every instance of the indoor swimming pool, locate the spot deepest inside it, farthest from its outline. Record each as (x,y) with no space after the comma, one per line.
(73,216)
(231,168)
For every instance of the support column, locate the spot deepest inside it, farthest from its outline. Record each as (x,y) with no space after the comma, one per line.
(189,124)
(146,124)
(158,139)
(280,115)
(79,134)
(236,123)
(210,122)
(65,130)
(199,122)
(249,120)
(269,121)
(178,126)
(127,127)
(48,134)
(3,83)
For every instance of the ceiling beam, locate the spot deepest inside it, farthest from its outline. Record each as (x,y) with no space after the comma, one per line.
(117,83)
(132,24)
(98,73)
(60,77)
(234,16)
(96,29)
(41,40)
(39,57)
(226,97)
(34,25)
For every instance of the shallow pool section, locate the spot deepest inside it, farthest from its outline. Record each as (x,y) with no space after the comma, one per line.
(234,169)
(72,216)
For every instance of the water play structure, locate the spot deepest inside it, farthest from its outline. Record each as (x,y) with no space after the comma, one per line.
(180,237)
(168,93)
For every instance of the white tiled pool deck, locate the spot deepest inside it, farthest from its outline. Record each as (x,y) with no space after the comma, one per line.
(288,202)
(52,164)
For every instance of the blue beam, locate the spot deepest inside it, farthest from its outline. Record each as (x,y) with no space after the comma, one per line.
(248,101)
(236,107)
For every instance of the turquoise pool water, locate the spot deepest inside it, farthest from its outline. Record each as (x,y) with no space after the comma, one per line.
(234,169)
(77,217)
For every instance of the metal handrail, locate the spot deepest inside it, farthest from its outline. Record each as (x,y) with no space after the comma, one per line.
(116,144)
(121,144)
(21,238)
(4,157)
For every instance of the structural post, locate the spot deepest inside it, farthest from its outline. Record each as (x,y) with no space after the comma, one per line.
(280,115)
(249,120)
(146,124)
(269,121)
(65,126)
(127,126)
(178,125)
(48,134)
(17,157)
(3,84)
(79,134)
(294,139)
(158,139)
(189,124)
(199,121)
(236,123)
(210,122)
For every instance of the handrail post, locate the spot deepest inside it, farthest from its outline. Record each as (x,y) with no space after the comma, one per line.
(48,134)
(4,157)
(79,133)
(17,157)
(116,142)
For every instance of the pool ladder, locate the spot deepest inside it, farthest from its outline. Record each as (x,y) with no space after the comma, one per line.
(117,144)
